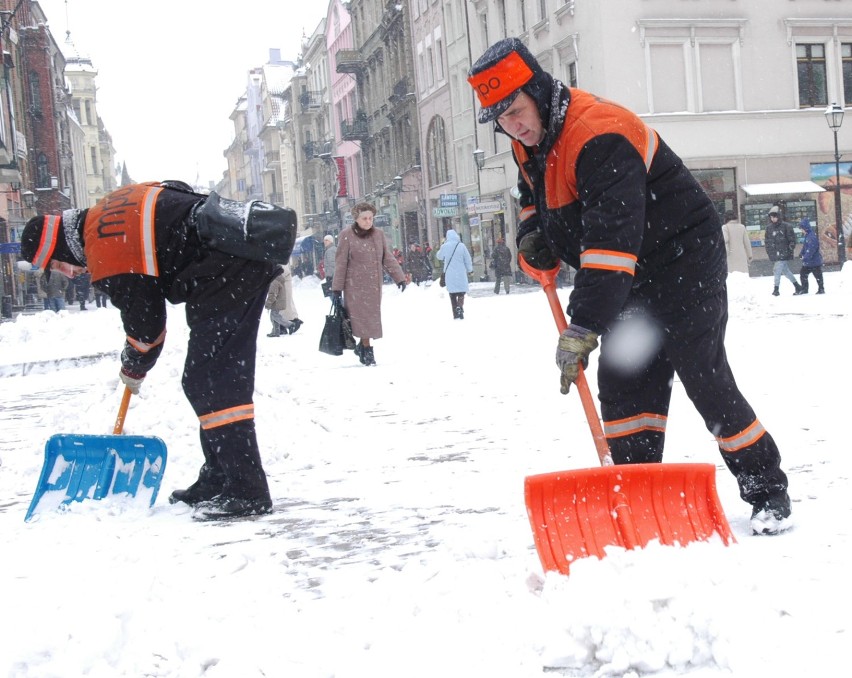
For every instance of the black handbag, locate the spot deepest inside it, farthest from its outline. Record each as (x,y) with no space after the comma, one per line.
(346,326)
(331,340)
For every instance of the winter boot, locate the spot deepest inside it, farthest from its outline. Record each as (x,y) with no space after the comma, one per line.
(775,292)
(799,289)
(772,515)
(359,351)
(821,290)
(276,330)
(196,493)
(295,324)
(367,356)
(223,508)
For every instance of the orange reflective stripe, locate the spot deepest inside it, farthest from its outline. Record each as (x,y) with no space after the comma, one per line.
(744,438)
(228,416)
(608,260)
(146,232)
(650,149)
(49,234)
(526,213)
(142,347)
(647,421)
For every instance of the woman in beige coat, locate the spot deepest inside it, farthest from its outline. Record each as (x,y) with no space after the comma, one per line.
(363,254)
(737,244)
(282,308)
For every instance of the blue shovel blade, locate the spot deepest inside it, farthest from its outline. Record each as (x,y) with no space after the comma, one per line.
(78,467)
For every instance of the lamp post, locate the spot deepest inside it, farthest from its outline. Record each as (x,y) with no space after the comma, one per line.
(834,118)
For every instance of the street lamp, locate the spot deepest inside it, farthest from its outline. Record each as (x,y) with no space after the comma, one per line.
(834,118)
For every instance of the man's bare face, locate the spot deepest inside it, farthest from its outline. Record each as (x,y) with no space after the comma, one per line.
(522,121)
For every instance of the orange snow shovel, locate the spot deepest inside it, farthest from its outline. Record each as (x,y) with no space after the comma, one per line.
(575,514)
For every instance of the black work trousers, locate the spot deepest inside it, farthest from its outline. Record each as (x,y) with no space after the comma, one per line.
(635,397)
(218,380)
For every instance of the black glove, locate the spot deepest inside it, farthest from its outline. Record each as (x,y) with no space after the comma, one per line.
(337,297)
(575,345)
(132,381)
(401,285)
(536,252)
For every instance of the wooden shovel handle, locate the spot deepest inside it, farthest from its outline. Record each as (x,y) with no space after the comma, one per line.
(122,412)
(547,280)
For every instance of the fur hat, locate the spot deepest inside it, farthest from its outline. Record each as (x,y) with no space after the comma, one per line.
(45,238)
(505,69)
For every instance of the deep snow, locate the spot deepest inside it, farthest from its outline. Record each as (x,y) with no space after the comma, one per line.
(400,544)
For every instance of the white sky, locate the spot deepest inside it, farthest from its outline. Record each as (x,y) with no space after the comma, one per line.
(170,72)
(400,544)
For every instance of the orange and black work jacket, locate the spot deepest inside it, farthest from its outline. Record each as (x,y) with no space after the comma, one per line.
(142,250)
(618,205)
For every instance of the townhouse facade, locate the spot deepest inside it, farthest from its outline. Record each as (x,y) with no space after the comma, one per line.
(55,152)
(739,89)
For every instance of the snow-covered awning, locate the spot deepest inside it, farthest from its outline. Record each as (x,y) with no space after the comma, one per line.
(783,187)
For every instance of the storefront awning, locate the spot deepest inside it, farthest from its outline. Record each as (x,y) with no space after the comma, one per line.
(783,187)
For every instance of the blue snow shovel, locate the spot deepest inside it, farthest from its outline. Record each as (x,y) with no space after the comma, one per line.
(78,467)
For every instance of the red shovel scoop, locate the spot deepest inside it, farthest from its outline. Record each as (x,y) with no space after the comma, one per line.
(575,514)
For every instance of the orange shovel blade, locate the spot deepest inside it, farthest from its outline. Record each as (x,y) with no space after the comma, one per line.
(575,514)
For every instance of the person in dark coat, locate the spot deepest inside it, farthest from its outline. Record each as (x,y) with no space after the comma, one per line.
(811,258)
(149,244)
(501,262)
(603,192)
(780,243)
(82,285)
(418,264)
(363,255)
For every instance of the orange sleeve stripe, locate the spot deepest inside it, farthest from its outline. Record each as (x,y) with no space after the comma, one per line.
(142,347)
(608,260)
(746,437)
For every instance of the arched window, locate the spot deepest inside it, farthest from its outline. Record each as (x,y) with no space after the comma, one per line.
(436,143)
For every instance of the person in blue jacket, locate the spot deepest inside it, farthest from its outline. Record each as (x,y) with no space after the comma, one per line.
(457,266)
(811,258)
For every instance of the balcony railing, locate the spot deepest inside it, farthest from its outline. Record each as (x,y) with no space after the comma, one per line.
(357,129)
(318,149)
(310,100)
(350,61)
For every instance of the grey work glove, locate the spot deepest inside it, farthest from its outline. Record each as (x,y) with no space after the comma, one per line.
(574,346)
(536,252)
(132,381)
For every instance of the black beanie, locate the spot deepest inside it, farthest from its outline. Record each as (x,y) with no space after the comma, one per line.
(506,68)
(44,239)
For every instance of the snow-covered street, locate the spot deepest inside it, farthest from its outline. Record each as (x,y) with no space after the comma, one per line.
(400,544)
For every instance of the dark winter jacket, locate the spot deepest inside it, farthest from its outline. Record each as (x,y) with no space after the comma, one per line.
(501,260)
(780,241)
(182,270)
(615,203)
(811,256)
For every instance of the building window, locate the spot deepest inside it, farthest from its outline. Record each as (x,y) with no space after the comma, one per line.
(846,68)
(93,154)
(571,74)
(42,172)
(437,152)
(522,10)
(35,93)
(810,66)
(692,64)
